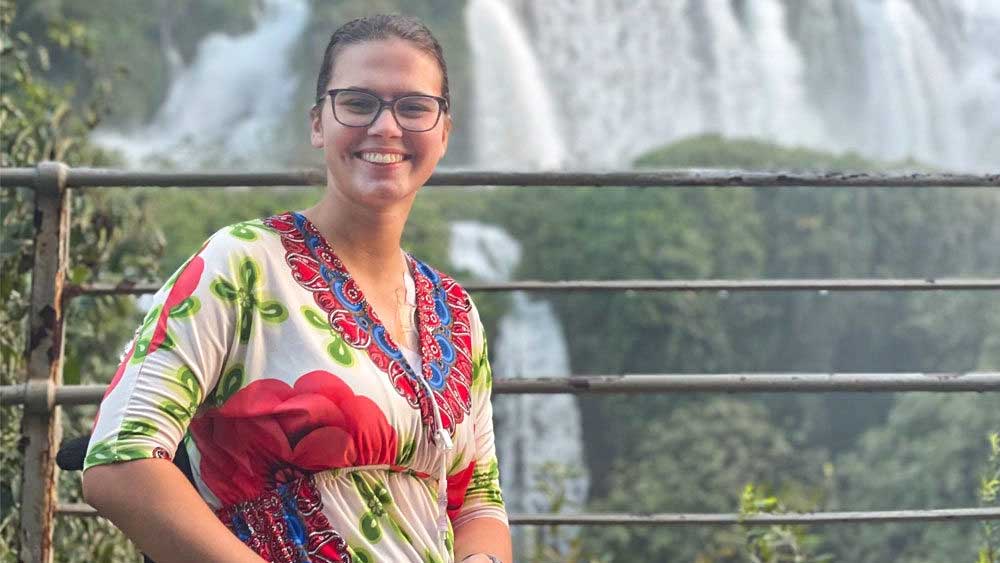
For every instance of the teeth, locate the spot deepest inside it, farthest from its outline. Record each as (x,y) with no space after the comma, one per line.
(381,158)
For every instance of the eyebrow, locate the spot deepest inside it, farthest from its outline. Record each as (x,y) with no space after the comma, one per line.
(400,95)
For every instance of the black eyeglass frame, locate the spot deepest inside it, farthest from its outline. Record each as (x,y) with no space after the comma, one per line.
(383,104)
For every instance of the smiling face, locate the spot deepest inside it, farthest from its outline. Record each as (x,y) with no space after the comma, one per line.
(382,164)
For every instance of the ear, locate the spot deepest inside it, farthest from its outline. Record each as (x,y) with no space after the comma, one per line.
(445,132)
(316,127)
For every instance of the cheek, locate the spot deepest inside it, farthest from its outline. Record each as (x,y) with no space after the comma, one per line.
(339,144)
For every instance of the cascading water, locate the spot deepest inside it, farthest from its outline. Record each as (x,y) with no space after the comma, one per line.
(510,89)
(227,106)
(890,79)
(537,437)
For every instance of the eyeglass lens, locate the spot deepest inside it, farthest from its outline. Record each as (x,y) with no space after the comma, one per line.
(359,109)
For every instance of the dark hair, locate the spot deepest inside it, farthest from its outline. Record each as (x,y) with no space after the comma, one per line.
(376,28)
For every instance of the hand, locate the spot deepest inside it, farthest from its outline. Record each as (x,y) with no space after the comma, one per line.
(480,558)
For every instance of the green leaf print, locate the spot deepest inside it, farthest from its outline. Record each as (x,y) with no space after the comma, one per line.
(360,554)
(137,427)
(273,311)
(378,499)
(145,335)
(429,557)
(482,374)
(231,382)
(246,322)
(398,528)
(338,350)
(106,452)
(247,298)
(187,381)
(314,318)
(100,453)
(249,274)
(182,412)
(457,463)
(185,308)
(247,230)
(484,484)
(405,453)
(370,527)
(223,290)
(173,409)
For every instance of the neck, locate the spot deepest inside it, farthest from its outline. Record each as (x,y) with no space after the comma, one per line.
(367,240)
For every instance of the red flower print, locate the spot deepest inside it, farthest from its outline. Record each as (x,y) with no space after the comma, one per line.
(271,432)
(457,485)
(183,287)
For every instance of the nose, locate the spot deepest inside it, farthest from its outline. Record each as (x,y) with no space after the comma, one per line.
(385,125)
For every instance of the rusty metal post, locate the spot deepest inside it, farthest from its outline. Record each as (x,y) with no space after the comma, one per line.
(40,427)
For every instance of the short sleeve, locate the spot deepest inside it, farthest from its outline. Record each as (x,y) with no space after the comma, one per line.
(482,497)
(174,359)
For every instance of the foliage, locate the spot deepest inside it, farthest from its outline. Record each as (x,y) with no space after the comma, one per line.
(43,121)
(620,233)
(989,495)
(777,543)
(695,458)
(927,455)
(550,544)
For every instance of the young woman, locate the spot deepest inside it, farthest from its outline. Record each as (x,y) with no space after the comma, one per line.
(331,391)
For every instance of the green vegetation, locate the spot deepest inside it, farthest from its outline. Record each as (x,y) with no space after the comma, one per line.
(668,453)
(680,453)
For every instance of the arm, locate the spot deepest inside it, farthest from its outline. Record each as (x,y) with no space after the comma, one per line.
(152,502)
(170,367)
(481,536)
(480,520)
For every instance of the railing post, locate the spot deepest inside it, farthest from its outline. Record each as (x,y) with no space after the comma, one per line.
(40,426)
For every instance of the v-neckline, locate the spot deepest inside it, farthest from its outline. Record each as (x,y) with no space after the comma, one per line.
(340,269)
(442,319)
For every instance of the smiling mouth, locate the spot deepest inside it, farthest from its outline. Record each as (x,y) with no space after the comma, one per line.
(381,157)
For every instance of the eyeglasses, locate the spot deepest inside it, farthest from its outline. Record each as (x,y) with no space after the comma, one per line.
(357,108)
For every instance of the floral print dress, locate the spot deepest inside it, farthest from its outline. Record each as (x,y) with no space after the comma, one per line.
(309,431)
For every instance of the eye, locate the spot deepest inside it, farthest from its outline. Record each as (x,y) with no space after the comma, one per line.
(357,103)
(415,107)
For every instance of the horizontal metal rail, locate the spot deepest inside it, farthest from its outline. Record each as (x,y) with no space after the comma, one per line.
(725,519)
(96,177)
(754,383)
(73,395)
(932,284)
(706,519)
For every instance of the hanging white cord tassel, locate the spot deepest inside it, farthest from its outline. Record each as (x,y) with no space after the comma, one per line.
(442,439)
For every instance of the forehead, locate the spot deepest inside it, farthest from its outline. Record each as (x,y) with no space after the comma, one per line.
(389,67)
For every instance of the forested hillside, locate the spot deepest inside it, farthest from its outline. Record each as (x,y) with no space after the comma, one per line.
(68,68)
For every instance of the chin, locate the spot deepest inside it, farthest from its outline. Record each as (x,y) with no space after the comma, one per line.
(384,192)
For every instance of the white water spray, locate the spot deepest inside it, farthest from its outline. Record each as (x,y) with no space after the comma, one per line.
(516,123)
(890,79)
(227,106)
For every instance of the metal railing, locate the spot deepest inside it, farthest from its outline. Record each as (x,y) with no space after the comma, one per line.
(42,396)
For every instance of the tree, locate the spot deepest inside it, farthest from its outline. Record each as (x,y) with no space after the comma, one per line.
(698,458)
(929,454)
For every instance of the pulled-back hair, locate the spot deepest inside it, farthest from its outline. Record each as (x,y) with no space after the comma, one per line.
(377,28)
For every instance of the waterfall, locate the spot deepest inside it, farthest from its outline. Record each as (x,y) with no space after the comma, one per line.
(227,106)
(539,438)
(890,79)
(510,90)
(532,431)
